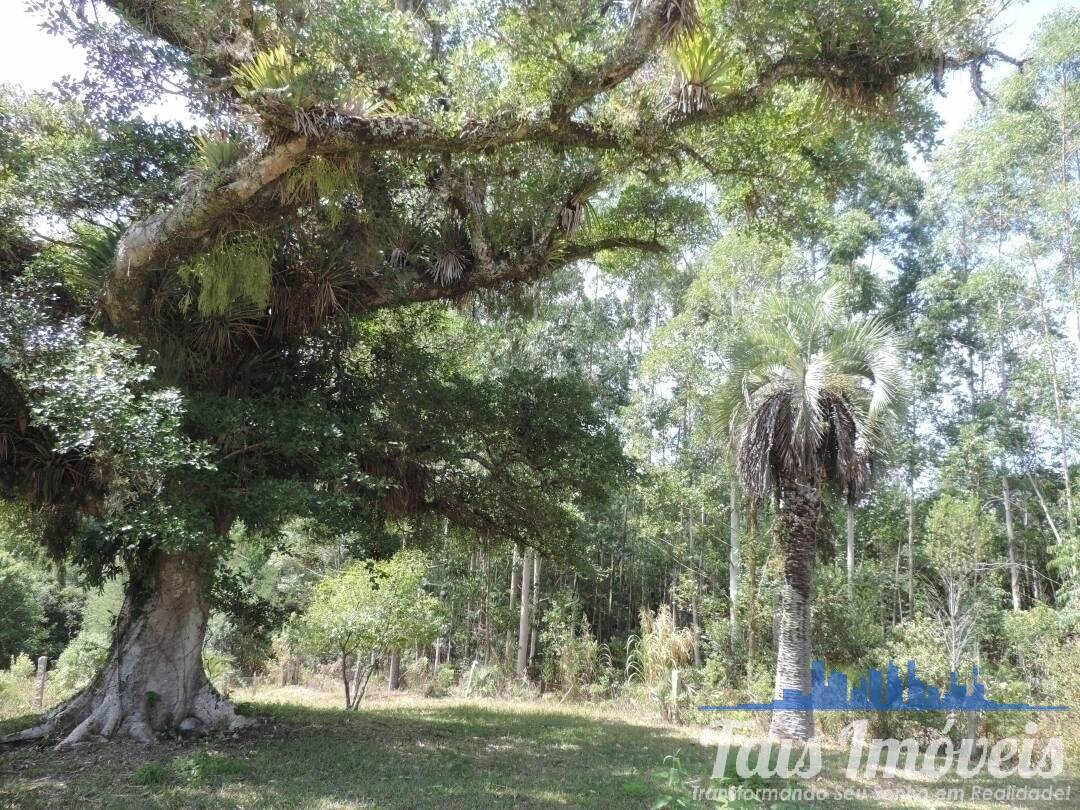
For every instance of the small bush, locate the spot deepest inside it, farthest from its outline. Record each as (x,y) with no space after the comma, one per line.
(418,673)
(571,651)
(219,669)
(16,687)
(445,676)
(22,629)
(81,661)
(841,634)
(661,647)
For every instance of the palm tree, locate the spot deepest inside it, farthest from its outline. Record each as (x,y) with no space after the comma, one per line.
(807,405)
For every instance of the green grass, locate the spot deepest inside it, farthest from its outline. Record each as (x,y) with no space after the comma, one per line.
(411,753)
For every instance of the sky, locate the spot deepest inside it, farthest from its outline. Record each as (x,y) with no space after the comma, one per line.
(33,59)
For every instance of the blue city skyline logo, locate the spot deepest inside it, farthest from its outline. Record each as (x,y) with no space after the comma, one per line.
(884,693)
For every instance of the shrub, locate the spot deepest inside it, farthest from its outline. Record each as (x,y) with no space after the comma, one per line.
(81,661)
(438,685)
(247,648)
(87,653)
(22,628)
(841,634)
(219,669)
(16,686)
(661,647)
(418,673)
(445,676)
(571,651)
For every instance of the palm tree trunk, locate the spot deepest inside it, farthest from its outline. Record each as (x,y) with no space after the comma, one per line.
(800,507)
(850,544)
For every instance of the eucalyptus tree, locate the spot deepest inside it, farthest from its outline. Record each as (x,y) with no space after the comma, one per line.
(809,400)
(998,309)
(360,158)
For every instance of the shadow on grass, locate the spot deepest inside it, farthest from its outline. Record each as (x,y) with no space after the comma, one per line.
(12,724)
(415,756)
(412,755)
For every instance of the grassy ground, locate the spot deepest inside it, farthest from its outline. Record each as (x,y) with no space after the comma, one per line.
(403,753)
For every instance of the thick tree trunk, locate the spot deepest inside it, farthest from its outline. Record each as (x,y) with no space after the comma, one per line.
(394,679)
(800,507)
(154,679)
(523,616)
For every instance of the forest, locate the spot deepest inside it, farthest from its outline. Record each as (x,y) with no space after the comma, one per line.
(451,404)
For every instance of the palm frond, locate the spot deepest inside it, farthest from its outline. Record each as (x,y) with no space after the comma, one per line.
(91,260)
(211,155)
(274,74)
(450,256)
(216,153)
(811,394)
(680,18)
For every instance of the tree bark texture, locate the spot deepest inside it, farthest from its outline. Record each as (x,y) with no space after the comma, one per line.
(800,507)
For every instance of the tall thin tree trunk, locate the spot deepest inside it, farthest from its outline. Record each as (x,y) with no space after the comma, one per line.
(523,615)
(898,607)
(695,627)
(1063,435)
(751,582)
(733,562)
(911,540)
(850,544)
(797,517)
(513,596)
(535,612)
(1010,537)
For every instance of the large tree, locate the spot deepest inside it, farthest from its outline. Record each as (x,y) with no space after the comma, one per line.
(363,157)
